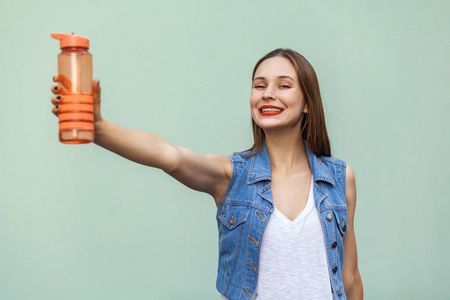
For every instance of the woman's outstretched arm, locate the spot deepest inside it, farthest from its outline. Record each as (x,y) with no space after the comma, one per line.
(350,275)
(208,173)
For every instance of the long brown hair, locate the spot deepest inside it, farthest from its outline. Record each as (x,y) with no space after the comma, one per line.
(313,127)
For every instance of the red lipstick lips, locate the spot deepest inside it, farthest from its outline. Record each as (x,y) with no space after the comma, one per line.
(270,113)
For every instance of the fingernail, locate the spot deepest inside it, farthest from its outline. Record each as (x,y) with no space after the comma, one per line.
(59,97)
(57,106)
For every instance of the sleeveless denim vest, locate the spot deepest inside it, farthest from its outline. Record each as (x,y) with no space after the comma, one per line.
(246,207)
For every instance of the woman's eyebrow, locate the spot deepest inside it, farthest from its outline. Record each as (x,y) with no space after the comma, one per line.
(281,76)
(286,76)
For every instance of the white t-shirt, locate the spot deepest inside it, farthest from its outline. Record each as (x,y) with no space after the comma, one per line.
(293,261)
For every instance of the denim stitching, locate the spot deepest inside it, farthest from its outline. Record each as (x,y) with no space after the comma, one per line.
(334,160)
(236,258)
(258,253)
(327,171)
(254,241)
(263,190)
(323,192)
(344,180)
(223,258)
(260,178)
(233,177)
(327,249)
(247,291)
(248,251)
(253,267)
(336,237)
(224,222)
(221,232)
(332,207)
(250,172)
(262,217)
(247,204)
(338,221)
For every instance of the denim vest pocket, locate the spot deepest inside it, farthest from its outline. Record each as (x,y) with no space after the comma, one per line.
(232,216)
(231,220)
(341,221)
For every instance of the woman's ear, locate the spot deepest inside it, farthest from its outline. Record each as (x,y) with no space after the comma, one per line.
(305,109)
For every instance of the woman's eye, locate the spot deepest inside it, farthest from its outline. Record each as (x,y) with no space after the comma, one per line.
(258,86)
(285,86)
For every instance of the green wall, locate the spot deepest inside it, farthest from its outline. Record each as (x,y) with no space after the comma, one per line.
(79,222)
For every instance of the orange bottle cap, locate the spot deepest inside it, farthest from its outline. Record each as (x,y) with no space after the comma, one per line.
(71,40)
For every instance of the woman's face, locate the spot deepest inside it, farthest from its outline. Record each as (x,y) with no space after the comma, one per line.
(276,100)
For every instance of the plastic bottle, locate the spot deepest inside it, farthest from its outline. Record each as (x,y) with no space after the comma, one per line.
(76,119)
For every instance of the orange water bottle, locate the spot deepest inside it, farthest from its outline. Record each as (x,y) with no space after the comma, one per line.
(76,118)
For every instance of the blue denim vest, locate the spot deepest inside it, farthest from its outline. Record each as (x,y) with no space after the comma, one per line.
(246,207)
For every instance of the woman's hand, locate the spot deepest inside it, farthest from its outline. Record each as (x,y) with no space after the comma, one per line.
(59,90)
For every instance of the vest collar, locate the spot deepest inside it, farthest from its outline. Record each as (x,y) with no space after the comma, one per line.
(260,166)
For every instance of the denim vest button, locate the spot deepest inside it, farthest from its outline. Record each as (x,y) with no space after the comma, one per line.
(335,269)
(231,221)
(344,227)
(329,217)
(334,245)
(339,293)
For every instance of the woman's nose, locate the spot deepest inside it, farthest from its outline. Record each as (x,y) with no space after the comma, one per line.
(269,93)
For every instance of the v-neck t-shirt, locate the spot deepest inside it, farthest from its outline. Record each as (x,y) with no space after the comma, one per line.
(293,262)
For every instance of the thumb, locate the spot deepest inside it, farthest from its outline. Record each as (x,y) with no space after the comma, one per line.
(96,90)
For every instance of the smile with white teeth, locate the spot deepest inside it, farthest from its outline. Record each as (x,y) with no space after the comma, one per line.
(271,109)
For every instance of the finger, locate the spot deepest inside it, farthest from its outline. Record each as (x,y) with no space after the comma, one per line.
(66,83)
(56,88)
(55,110)
(56,99)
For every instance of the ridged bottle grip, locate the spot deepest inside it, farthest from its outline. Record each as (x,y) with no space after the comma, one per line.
(76,115)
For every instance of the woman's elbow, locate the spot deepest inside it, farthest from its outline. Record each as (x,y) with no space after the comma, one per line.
(353,285)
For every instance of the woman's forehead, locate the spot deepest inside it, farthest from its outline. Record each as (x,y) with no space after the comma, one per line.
(276,67)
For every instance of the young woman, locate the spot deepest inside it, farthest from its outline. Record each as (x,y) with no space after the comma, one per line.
(285,207)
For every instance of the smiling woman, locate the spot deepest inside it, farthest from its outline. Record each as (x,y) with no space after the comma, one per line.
(285,207)
(294,72)
(296,203)
(276,93)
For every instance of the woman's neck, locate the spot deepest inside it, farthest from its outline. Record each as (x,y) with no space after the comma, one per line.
(287,153)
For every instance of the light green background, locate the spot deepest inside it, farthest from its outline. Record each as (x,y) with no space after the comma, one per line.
(78,222)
